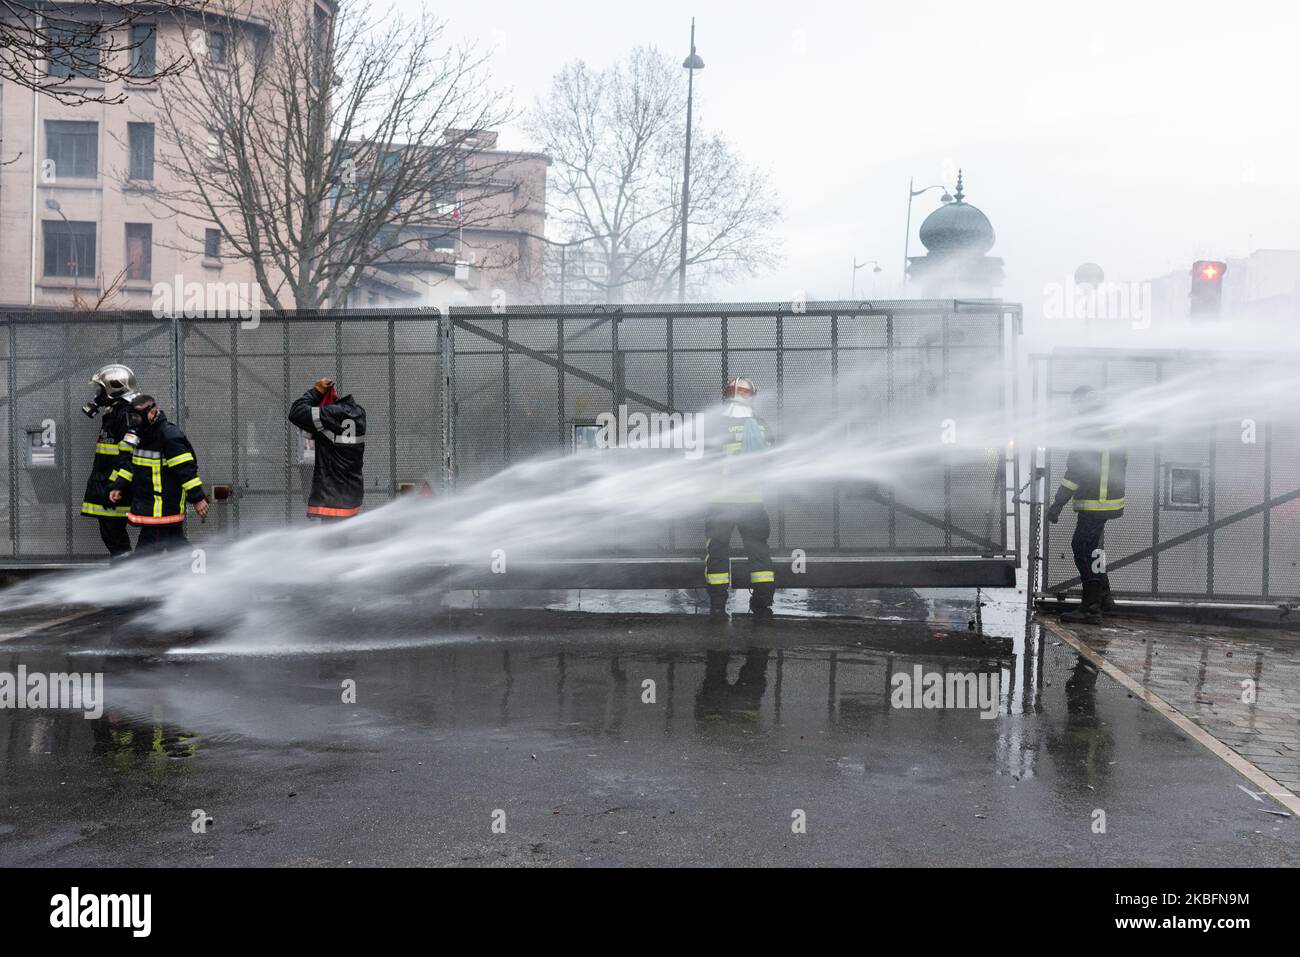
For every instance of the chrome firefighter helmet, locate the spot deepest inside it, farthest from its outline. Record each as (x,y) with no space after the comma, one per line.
(739,389)
(117,381)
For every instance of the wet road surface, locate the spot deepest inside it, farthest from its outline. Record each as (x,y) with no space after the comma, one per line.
(1240,685)
(498,737)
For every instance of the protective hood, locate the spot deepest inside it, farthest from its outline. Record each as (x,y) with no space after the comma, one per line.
(738,410)
(147,428)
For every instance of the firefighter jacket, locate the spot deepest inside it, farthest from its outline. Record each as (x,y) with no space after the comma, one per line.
(1094,472)
(338,431)
(729,440)
(109,449)
(163,476)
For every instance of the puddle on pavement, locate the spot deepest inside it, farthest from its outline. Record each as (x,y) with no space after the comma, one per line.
(591,682)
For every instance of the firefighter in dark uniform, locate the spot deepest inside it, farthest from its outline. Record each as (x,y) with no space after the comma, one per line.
(338,430)
(163,479)
(115,387)
(1094,479)
(737,504)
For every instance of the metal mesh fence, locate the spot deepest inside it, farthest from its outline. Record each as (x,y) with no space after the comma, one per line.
(1213,514)
(228,384)
(514,385)
(525,378)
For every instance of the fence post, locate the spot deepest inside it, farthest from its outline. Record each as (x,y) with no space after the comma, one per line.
(447,344)
(559,379)
(1014,420)
(835,409)
(286,389)
(1036,495)
(889,419)
(13,438)
(392,409)
(178,371)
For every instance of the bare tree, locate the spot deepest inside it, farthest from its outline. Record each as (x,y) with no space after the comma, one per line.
(324,147)
(53,48)
(102,297)
(616,138)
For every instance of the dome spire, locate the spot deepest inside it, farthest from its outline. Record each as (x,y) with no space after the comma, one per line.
(959,194)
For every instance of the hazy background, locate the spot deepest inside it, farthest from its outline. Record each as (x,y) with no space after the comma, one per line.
(1139,136)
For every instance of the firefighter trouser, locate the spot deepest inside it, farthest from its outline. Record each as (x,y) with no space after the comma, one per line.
(161,538)
(754,526)
(1088,545)
(112,531)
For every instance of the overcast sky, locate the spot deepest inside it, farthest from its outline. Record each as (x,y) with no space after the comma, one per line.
(1139,135)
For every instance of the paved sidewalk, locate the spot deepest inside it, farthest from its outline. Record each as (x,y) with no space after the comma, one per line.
(1209,673)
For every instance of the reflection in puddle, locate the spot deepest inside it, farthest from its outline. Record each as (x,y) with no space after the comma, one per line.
(610,678)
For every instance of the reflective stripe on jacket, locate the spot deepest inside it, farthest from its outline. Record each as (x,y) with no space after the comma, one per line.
(163,476)
(339,433)
(109,449)
(1095,472)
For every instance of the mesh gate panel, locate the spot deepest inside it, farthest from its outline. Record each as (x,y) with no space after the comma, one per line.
(1227,546)
(49,365)
(520,380)
(533,373)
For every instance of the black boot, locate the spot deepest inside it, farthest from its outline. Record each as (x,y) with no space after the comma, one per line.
(1089,610)
(718,602)
(1108,606)
(760,601)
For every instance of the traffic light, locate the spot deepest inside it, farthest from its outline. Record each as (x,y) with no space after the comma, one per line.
(1207,288)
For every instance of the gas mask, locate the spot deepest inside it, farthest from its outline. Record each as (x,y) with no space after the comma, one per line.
(97,402)
(140,417)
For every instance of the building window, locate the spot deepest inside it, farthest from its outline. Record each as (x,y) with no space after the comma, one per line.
(139,251)
(386,239)
(141,150)
(212,243)
(215,144)
(216,47)
(73,147)
(74,50)
(144,49)
(69,248)
(319,40)
(442,198)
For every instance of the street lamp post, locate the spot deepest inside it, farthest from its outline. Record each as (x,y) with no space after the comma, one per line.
(907,241)
(856,266)
(691,63)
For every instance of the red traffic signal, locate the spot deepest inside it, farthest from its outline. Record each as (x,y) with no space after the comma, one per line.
(1207,288)
(1209,270)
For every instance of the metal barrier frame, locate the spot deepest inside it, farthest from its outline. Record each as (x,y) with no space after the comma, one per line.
(991,563)
(1039,552)
(1010,316)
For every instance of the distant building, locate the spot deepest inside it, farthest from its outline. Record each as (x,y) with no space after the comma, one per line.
(76,220)
(581,276)
(957,237)
(1264,285)
(483,243)
(79,218)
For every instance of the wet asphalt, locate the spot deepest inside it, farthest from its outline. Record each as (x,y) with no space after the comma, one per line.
(558,737)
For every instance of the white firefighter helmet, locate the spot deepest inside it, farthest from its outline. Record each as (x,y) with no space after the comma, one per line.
(117,381)
(739,389)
